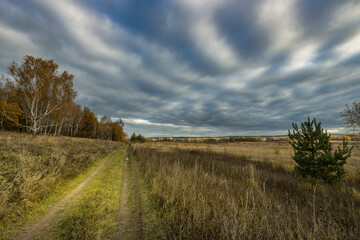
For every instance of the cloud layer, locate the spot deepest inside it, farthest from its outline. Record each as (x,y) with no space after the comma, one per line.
(196,67)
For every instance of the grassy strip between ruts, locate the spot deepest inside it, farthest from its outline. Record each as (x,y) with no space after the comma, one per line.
(33,214)
(94,214)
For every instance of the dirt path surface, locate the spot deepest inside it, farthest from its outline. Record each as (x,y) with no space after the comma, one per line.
(131,224)
(136,221)
(124,211)
(32,231)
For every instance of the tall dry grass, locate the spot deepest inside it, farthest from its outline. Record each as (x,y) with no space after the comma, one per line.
(205,194)
(33,168)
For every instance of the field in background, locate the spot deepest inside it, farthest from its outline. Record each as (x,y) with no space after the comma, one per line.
(277,152)
(35,170)
(243,191)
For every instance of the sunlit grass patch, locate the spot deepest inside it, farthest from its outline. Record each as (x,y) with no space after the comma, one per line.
(94,214)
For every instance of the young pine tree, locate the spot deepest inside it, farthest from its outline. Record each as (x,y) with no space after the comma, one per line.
(315,160)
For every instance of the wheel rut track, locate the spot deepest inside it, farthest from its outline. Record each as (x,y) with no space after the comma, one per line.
(124,211)
(137,221)
(130,213)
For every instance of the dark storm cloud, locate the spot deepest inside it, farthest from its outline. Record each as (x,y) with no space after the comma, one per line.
(196,67)
(157,21)
(237,21)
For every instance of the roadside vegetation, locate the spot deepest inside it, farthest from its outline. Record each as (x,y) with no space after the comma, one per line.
(34,172)
(199,193)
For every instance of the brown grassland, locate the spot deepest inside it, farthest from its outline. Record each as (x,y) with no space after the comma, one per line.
(34,172)
(243,191)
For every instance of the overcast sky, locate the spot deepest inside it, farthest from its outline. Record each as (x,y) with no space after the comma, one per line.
(196,67)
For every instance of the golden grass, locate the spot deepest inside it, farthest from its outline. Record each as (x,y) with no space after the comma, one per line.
(242,191)
(277,153)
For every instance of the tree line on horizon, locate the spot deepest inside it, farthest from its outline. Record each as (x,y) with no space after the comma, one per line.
(38,99)
(137,138)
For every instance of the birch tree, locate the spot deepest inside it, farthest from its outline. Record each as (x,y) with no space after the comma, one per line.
(40,90)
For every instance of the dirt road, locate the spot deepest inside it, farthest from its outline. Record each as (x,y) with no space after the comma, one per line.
(131,224)
(124,209)
(29,232)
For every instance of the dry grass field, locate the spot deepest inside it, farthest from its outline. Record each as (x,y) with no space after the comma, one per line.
(244,191)
(33,170)
(161,190)
(278,153)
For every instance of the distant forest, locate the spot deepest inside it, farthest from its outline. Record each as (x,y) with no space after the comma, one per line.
(36,98)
